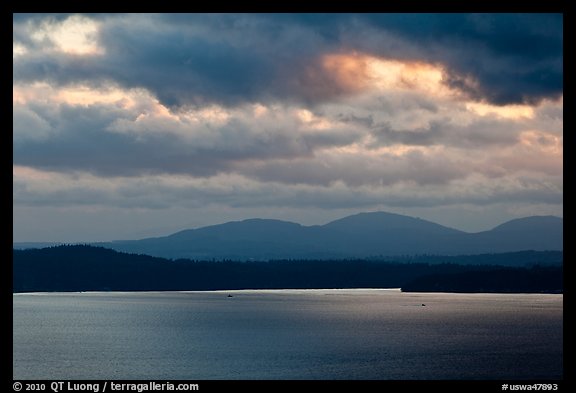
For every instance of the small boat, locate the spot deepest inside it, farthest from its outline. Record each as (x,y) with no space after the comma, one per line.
(230,295)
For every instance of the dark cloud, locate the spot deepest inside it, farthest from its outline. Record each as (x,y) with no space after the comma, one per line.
(481,133)
(89,138)
(240,192)
(354,171)
(513,58)
(230,61)
(235,58)
(431,135)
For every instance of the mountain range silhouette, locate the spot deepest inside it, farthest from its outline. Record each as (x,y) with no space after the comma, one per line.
(357,236)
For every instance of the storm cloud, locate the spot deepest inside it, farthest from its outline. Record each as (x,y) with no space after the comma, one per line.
(230,59)
(294,116)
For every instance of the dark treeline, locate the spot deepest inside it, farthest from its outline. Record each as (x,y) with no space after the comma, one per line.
(498,279)
(88,268)
(516,259)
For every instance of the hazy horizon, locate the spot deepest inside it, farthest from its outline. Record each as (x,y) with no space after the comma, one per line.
(160,233)
(128,126)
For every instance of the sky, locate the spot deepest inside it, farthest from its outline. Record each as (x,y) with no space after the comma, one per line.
(134,125)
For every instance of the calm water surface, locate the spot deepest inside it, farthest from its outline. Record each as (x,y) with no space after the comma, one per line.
(288,334)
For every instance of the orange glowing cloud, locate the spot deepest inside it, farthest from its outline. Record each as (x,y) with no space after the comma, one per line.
(356,72)
(348,71)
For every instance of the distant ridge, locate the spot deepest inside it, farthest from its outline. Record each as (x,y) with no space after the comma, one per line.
(29,245)
(357,236)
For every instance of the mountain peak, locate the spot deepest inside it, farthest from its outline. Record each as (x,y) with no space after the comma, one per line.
(530,223)
(267,221)
(379,221)
(253,224)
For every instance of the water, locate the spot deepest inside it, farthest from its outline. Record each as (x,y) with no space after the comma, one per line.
(288,334)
